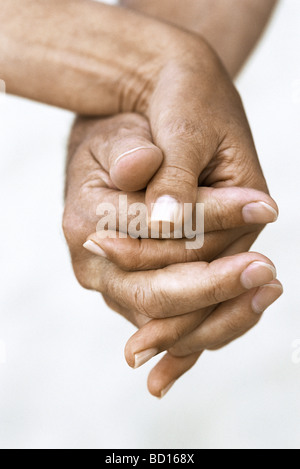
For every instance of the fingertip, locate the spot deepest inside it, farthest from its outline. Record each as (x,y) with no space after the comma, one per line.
(260,213)
(166,209)
(141,347)
(156,389)
(266,295)
(109,245)
(167,372)
(171,195)
(133,169)
(140,358)
(129,355)
(94,248)
(155,385)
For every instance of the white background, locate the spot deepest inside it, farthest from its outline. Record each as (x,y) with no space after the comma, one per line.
(65,382)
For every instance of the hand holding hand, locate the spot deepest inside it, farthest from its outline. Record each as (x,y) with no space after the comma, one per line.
(181,306)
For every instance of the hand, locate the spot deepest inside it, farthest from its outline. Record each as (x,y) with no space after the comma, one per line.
(232,28)
(94,151)
(171,76)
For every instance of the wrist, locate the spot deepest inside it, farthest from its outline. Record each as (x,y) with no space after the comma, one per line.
(104,60)
(182,52)
(160,46)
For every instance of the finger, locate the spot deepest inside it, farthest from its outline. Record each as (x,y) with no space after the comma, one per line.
(225,209)
(195,150)
(191,141)
(162,334)
(231,207)
(123,147)
(90,271)
(188,143)
(243,244)
(171,367)
(182,288)
(120,309)
(165,334)
(150,254)
(230,320)
(92,207)
(168,371)
(159,335)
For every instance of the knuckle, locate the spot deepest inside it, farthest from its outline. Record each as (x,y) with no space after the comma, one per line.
(238,162)
(193,255)
(215,292)
(183,349)
(81,276)
(173,175)
(233,325)
(222,218)
(71,227)
(247,173)
(240,323)
(176,333)
(90,275)
(184,127)
(134,258)
(140,256)
(149,302)
(143,256)
(128,263)
(141,301)
(67,226)
(162,304)
(198,134)
(111,304)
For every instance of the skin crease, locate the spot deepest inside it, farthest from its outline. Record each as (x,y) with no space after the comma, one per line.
(127,75)
(171,367)
(31,59)
(162,375)
(126,294)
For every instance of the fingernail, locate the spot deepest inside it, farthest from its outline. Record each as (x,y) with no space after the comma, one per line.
(167,209)
(266,296)
(129,152)
(94,248)
(143,357)
(167,389)
(259,212)
(258,274)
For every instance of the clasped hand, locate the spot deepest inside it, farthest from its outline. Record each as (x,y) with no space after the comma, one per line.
(183,301)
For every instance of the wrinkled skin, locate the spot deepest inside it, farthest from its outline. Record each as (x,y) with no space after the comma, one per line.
(172,311)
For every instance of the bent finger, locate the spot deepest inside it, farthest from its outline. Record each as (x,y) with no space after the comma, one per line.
(168,370)
(159,335)
(182,288)
(230,320)
(124,148)
(150,254)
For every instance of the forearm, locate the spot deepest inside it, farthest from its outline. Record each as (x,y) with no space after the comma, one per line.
(78,54)
(232,27)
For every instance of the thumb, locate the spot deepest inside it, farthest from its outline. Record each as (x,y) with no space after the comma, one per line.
(188,144)
(126,152)
(176,182)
